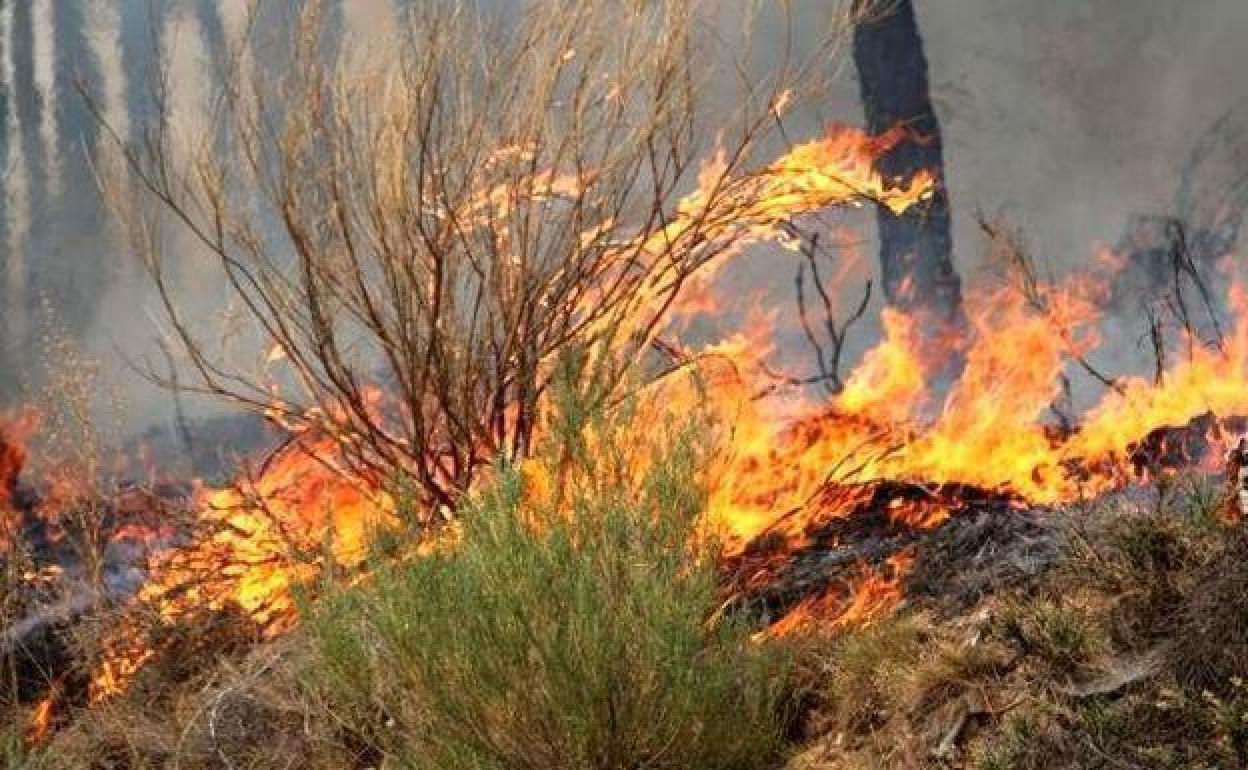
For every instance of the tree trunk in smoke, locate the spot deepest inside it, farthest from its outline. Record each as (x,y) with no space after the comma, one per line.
(14,29)
(43,37)
(916,248)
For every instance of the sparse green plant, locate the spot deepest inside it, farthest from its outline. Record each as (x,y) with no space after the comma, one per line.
(1203,502)
(1211,622)
(567,630)
(15,755)
(1137,562)
(1063,636)
(1103,721)
(14,563)
(1230,714)
(1013,748)
(1151,543)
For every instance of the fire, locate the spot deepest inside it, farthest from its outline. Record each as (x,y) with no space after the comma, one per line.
(1209,381)
(990,431)
(836,170)
(123,658)
(305,509)
(785,463)
(874,595)
(267,534)
(40,725)
(831,171)
(15,432)
(253,543)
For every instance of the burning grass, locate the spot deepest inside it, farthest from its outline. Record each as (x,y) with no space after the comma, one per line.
(574,606)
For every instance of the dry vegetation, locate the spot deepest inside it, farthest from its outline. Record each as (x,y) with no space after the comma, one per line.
(592,639)
(436,218)
(440,221)
(573,629)
(1127,652)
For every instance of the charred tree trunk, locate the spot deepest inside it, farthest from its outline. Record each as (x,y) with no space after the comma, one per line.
(916,248)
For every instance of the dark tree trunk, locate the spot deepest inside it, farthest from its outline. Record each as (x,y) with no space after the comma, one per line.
(916,248)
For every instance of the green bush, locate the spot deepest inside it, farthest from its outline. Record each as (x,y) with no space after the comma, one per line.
(576,630)
(13,755)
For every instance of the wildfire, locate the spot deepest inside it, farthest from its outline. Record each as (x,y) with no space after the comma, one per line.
(785,463)
(782,457)
(269,533)
(874,595)
(15,431)
(990,431)
(837,170)
(304,510)
(123,658)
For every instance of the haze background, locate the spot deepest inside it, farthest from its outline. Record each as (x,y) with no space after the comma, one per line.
(1066,117)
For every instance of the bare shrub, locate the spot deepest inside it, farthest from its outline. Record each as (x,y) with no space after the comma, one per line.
(436,219)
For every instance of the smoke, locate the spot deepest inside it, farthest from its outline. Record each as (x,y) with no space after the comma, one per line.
(366,22)
(186,62)
(1065,117)
(104,38)
(236,16)
(1071,116)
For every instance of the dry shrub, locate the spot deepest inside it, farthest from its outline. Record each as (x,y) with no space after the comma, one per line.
(1130,650)
(53,536)
(1136,562)
(858,673)
(1154,589)
(886,695)
(438,217)
(1212,623)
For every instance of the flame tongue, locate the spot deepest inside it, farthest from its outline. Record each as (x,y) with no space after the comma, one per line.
(40,725)
(268,535)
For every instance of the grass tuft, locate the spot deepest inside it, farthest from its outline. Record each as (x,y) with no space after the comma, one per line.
(570,629)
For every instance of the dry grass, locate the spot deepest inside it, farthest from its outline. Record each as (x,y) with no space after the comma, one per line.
(1213,619)
(1129,652)
(1053,673)
(568,630)
(244,711)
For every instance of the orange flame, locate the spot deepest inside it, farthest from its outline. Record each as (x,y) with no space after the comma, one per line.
(270,533)
(873,596)
(40,725)
(785,461)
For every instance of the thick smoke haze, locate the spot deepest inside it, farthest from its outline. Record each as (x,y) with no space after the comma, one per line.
(1065,117)
(1070,116)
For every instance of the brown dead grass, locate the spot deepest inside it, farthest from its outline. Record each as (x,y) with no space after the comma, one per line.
(1132,651)
(253,712)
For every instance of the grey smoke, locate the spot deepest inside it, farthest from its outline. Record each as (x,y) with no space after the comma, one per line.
(1067,117)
